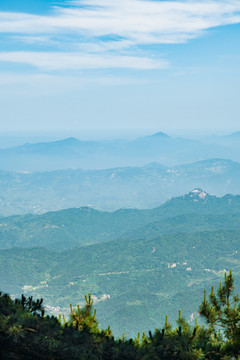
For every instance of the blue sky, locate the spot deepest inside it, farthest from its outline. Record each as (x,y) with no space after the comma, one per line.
(119,65)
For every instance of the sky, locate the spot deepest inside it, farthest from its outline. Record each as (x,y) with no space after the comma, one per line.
(119,66)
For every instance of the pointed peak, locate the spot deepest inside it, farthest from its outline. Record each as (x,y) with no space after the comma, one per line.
(160,134)
(157,136)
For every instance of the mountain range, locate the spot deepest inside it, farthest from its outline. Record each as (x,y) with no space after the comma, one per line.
(61,230)
(131,187)
(72,153)
(91,216)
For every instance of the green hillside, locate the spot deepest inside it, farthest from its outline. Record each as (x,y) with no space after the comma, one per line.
(186,223)
(71,228)
(141,264)
(27,333)
(135,280)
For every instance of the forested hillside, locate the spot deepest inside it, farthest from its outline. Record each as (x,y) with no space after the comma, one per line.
(138,280)
(27,333)
(66,229)
(143,264)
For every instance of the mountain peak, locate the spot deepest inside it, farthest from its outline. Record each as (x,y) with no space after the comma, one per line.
(197,194)
(157,136)
(160,134)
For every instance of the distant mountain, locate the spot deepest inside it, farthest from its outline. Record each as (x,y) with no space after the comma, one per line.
(72,153)
(131,187)
(229,141)
(195,211)
(158,135)
(198,201)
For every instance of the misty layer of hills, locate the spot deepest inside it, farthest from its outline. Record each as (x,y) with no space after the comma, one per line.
(72,153)
(112,189)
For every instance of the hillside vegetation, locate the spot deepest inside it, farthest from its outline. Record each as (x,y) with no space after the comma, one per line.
(197,211)
(26,333)
(139,280)
(153,261)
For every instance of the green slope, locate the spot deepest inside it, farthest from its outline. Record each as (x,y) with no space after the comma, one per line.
(138,280)
(186,223)
(161,259)
(71,228)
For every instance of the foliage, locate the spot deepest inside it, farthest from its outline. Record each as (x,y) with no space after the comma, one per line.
(138,278)
(26,333)
(83,318)
(222,312)
(136,281)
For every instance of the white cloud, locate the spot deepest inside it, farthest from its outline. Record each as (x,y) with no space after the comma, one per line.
(108,33)
(75,61)
(34,39)
(141,21)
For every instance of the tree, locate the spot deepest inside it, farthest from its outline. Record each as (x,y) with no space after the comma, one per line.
(85,317)
(222,313)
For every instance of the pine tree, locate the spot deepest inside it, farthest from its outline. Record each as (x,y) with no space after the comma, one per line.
(85,317)
(222,313)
